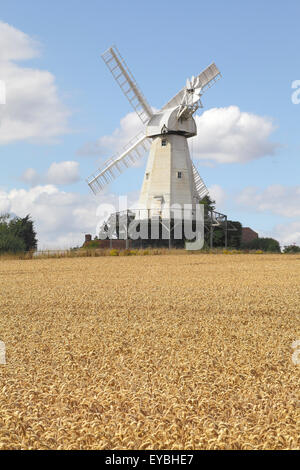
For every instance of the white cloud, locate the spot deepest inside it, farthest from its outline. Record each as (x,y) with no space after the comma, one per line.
(108,145)
(30,176)
(275,199)
(66,172)
(288,234)
(63,172)
(5,204)
(33,109)
(61,218)
(217,194)
(228,135)
(16,45)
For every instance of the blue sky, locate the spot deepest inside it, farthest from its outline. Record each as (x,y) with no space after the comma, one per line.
(254,44)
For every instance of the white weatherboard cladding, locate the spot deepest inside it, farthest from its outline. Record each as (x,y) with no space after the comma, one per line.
(161,186)
(182,189)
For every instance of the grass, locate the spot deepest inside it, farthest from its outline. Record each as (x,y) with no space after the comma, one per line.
(99,252)
(150,352)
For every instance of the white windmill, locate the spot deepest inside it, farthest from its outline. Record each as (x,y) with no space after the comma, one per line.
(170,176)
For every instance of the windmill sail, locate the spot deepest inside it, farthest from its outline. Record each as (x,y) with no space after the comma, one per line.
(115,165)
(127,83)
(201,188)
(205,80)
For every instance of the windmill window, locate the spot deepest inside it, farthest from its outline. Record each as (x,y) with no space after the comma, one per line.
(164,142)
(179,174)
(147,176)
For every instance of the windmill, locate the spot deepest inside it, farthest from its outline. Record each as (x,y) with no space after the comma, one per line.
(170,177)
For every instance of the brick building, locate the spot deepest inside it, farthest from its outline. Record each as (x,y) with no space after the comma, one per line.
(248,235)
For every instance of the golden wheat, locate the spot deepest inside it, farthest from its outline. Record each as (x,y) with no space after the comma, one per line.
(150,352)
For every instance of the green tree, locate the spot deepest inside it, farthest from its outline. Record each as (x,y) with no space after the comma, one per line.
(234,235)
(264,244)
(17,234)
(23,228)
(9,243)
(291,249)
(209,204)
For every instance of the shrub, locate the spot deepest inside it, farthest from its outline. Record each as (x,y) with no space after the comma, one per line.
(291,249)
(264,244)
(93,244)
(114,252)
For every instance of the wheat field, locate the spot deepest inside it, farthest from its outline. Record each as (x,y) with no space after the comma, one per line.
(154,352)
